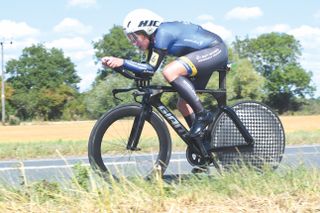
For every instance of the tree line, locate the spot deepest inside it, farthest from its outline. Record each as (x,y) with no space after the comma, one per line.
(42,83)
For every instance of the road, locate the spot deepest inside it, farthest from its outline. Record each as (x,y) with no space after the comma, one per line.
(15,172)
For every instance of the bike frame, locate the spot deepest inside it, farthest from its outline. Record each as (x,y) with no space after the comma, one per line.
(151,98)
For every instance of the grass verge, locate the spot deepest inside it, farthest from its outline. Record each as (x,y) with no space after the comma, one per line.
(23,150)
(241,190)
(303,137)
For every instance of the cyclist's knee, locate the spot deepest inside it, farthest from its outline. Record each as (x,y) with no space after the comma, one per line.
(173,70)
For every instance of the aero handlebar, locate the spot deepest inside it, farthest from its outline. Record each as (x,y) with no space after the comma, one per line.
(130,75)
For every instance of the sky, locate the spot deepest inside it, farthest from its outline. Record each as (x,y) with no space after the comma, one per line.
(72,25)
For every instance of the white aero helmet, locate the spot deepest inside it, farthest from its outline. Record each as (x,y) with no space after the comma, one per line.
(141,20)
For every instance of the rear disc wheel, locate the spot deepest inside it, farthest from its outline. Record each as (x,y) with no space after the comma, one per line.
(264,126)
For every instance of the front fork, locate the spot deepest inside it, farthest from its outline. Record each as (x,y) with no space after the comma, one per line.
(138,124)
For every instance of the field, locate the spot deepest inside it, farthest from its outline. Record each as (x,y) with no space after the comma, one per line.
(301,123)
(80,130)
(45,139)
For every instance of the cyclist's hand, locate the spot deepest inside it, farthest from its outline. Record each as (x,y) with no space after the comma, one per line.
(112,62)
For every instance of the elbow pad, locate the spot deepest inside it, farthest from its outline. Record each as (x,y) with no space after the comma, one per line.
(138,67)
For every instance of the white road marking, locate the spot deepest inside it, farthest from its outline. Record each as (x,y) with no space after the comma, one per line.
(68,166)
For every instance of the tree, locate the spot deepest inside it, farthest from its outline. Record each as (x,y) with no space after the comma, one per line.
(286,85)
(75,108)
(246,81)
(275,56)
(43,80)
(269,51)
(100,99)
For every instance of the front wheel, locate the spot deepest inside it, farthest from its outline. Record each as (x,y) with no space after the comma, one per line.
(107,147)
(264,126)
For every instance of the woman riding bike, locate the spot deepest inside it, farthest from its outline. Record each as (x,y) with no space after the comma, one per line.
(199,53)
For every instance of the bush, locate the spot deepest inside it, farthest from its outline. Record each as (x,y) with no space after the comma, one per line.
(13,120)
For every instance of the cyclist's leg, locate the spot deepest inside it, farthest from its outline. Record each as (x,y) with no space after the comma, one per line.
(186,111)
(205,68)
(175,73)
(173,70)
(200,64)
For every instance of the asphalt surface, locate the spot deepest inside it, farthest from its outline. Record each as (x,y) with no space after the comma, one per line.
(60,170)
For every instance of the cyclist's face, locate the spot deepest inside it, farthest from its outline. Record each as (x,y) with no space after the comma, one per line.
(139,40)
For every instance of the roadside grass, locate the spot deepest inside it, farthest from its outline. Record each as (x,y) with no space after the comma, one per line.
(40,149)
(241,190)
(23,150)
(303,137)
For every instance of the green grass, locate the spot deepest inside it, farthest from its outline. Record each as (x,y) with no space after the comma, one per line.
(241,190)
(302,137)
(23,150)
(40,149)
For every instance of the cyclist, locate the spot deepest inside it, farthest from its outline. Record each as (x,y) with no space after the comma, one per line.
(198,51)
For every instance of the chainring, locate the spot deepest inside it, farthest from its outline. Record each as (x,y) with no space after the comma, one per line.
(194,158)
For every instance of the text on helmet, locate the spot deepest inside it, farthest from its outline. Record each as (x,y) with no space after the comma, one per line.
(149,23)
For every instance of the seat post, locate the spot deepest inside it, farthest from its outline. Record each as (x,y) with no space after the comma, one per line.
(222,98)
(222,79)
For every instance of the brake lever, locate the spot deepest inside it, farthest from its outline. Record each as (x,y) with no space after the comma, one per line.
(136,94)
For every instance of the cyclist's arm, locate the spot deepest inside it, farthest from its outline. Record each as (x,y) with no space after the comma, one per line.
(154,61)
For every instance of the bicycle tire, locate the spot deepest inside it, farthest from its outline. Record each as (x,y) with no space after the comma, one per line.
(107,149)
(264,126)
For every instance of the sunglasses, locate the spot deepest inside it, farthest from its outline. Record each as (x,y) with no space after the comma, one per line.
(132,37)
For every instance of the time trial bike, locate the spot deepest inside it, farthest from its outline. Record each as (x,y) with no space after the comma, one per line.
(133,139)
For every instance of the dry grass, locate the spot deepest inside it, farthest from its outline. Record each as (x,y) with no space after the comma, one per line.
(46,131)
(241,191)
(277,203)
(80,130)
